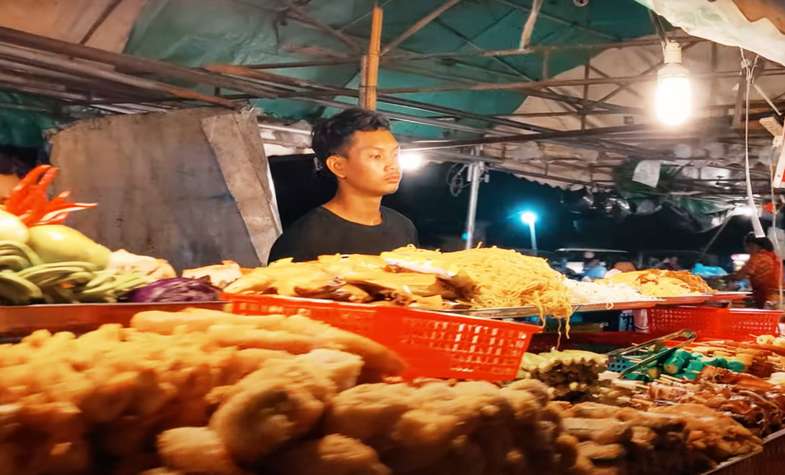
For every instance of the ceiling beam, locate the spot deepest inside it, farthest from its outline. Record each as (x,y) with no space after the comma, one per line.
(529,85)
(561,21)
(418,25)
(306,17)
(66,65)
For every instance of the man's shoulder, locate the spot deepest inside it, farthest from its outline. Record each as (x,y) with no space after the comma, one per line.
(391,214)
(315,216)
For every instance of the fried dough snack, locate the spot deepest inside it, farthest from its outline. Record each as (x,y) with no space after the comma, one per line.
(333,454)
(471,427)
(295,334)
(66,401)
(196,450)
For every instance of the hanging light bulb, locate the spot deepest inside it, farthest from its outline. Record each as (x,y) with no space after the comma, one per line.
(673,97)
(411,161)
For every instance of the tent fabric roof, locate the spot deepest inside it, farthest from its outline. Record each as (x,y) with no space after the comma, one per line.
(458,94)
(199,32)
(712,154)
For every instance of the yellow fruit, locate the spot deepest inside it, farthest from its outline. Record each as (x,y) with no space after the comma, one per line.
(58,243)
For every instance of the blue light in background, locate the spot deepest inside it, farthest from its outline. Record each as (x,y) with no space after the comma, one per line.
(528,217)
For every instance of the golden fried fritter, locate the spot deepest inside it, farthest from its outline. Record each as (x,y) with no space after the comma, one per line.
(258,420)
(196,450)
(333,454)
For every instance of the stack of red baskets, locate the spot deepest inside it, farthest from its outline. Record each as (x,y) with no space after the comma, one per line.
(714,322)
(432,344)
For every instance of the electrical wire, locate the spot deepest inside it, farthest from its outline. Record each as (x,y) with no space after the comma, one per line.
(749,70)
(456,179)
(774,211)
(659,29)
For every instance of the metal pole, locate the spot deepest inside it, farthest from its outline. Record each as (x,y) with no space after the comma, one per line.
(714,238)
(419,25)
(533,235)
(476,170)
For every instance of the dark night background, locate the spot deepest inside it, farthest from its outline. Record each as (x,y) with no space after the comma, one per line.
(425,198)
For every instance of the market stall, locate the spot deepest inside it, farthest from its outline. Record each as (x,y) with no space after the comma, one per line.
(413,361)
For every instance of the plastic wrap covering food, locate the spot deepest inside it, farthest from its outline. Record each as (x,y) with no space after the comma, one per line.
(587,293)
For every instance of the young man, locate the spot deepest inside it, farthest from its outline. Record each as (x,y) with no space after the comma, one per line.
(358,149)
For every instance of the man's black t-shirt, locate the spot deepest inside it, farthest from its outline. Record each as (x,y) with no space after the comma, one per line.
(322,232)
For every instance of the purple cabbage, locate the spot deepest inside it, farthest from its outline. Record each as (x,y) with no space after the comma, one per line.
(177,289)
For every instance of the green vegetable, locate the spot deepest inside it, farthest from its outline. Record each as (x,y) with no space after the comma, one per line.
(12,228)
(17,256)
(676,361)
(736,365)
(696,365)
(57,243)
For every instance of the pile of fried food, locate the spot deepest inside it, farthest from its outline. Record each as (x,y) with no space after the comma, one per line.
(753,402)
(568,373)
(200,391)
(771,340)
(662,283)
(474,278)
(206,392)
(683,438)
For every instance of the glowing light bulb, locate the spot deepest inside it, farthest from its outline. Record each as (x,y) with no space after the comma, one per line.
(673,96)
(411,161)
(527,217)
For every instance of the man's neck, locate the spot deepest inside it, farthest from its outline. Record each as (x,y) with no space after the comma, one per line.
(357,208)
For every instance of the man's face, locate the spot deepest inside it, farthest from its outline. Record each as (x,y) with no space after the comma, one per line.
(369,163)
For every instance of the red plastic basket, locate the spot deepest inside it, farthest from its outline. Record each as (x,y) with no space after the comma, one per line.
(714,322)
(432,344)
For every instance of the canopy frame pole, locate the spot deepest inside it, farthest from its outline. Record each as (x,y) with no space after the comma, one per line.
(369,79)
(419,25)
(476,170)
(714,238)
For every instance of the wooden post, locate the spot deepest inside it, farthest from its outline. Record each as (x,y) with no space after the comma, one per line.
(586,73)
(369,79)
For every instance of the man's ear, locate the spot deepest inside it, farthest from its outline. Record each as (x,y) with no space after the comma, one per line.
(336,165)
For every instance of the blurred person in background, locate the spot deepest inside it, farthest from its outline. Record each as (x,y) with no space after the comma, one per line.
(670,263)
(763,270)
(594,269)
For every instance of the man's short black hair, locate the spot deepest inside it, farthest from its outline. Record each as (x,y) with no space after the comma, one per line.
(764,242)
(330,135)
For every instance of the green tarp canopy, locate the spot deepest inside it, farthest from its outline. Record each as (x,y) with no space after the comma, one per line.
(199,32)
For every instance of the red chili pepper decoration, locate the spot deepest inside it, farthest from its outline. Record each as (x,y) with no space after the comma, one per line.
(23,188)
(29,201)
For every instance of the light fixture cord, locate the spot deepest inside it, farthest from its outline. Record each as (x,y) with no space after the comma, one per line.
(748,70)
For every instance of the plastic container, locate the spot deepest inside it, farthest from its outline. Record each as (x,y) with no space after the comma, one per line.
(713,322)
(432,344)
